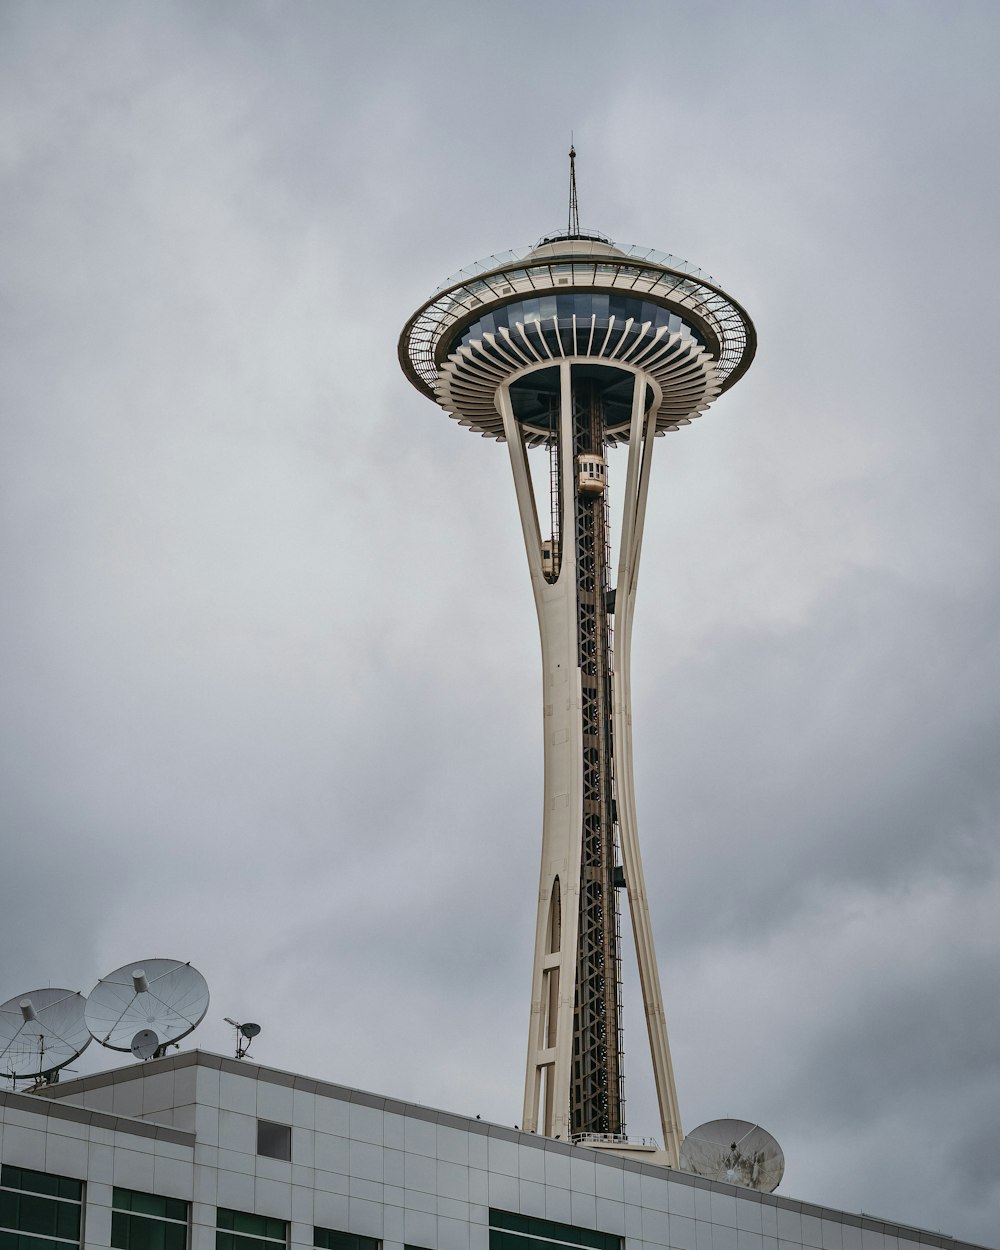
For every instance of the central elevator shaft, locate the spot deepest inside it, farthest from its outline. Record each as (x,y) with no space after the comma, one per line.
(596,1101)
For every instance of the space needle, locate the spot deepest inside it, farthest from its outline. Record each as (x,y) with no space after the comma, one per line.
(571,347)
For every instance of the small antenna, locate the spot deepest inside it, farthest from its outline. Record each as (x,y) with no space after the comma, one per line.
(573,227)
(245,1033)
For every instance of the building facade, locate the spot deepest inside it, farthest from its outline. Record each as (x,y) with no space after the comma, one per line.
(199,1152)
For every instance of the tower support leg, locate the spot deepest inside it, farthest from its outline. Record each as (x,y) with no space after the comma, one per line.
(574,991)
(640,458)
(550,1039)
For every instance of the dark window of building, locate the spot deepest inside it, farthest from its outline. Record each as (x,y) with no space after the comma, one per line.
(41,1183)
(148,1221)
(238,1230)
(37,1205)
(274,1140)
(527,1232)
(330,1239)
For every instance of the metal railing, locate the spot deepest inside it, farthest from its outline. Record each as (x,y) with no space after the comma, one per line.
(614,1139)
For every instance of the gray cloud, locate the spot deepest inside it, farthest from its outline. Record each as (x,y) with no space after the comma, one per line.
(268,651)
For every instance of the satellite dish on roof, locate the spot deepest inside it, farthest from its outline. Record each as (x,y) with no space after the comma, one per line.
(145,1044)
(160,996)
(42,1031)
(734,1151)
(245,1033)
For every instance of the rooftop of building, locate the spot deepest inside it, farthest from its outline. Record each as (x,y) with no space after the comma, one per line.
(68,1100)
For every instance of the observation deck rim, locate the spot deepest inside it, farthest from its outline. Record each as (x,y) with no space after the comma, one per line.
(630,256)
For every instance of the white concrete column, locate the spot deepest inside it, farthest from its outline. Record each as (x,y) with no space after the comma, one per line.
(550,1037)
(633,518)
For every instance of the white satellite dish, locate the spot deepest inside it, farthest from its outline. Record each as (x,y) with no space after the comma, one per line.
(734,1151)
(161,996)
(41,1031)
(145,1044)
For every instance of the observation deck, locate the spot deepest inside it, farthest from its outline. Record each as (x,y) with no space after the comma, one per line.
(576,297)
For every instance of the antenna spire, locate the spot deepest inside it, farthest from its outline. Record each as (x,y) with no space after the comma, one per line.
(573,228)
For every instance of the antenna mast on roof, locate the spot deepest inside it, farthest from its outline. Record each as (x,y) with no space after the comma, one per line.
(573,228)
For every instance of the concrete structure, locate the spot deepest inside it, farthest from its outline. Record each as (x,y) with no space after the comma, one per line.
(199,1152)
(574,346)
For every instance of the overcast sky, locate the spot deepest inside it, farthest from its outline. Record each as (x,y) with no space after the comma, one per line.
(268,655)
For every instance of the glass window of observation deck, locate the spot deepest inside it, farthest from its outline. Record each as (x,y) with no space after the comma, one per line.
(582,305)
